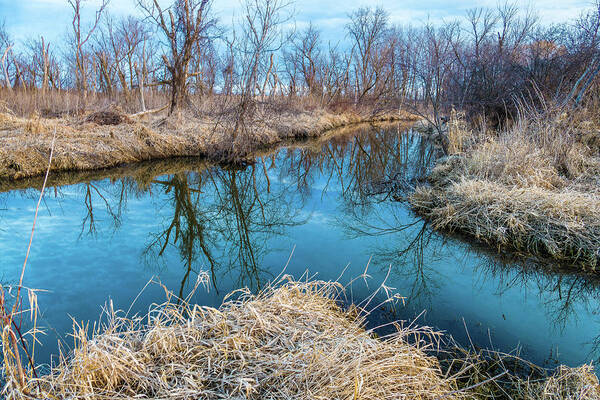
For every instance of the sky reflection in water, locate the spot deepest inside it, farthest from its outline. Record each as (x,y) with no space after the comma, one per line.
(333,202)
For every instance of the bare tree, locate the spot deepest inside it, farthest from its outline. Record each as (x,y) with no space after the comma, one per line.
(368,29)
(5,47)
(261,39)
(335,74)
(186,24)
(40,65)
(80,38)
(305,58)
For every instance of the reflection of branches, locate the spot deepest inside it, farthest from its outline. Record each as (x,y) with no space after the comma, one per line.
(370,167)
(226,218)
(187,229)
(89,219)
(561,291)
(565,294)
(412,251)
(247,222)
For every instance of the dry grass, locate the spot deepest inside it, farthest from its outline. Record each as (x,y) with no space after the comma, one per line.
(562,224)
(534,187)
(89,142)
(493,375)
(60,103)
(290,342)
(565,384)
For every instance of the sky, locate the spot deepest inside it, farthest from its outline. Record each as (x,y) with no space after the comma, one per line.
(51,18)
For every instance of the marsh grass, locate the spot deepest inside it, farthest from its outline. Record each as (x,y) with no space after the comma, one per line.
(490,374)
(564,224)
(14,338)
(533,187)
(110,137)
(293,340)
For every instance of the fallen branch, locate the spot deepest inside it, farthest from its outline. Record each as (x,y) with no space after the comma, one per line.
(142,113)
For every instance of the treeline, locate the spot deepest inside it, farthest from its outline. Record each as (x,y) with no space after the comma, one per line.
(484,63)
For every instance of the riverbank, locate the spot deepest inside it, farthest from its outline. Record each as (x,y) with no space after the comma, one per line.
(533,188)
(144,172)
(109,139)
(289,342)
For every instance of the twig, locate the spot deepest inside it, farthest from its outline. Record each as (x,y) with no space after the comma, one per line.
(139,114)
(37,208)
(17,298)
(493,378)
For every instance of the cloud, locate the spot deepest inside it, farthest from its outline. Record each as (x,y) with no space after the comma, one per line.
(52,18)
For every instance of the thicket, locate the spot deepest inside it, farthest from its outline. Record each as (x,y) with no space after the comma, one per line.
(485,63)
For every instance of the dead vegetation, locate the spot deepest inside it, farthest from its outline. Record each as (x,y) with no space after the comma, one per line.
(533,187)
(107,118)
(292,341)
(111,138)
(492,375)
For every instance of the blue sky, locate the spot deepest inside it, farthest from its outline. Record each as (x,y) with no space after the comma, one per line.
(51,18)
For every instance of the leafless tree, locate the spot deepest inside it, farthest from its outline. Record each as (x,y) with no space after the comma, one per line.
(261,39)
(368,29)
(80,39)
(187,25)
(305,59)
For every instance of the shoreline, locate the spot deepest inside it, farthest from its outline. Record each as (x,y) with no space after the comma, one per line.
(85,146)
(147,170)
(528,190)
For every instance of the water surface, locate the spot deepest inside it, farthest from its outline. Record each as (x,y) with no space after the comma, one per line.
(332,205)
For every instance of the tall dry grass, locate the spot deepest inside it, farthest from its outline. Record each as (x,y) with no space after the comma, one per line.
(15,343)
(564,225)
(533,187)
(291,341)
(55,103)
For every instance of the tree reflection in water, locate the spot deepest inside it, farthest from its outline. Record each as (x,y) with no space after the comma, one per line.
(373,168)
(225,220)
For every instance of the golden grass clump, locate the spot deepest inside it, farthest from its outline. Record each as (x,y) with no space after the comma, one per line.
(290,342)
(564,384)
(459,133)
(564,225)
(533,187)
(488,374)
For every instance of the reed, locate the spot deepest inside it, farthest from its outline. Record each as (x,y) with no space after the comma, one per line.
(291,341)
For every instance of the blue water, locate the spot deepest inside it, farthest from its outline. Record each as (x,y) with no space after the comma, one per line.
(326,206)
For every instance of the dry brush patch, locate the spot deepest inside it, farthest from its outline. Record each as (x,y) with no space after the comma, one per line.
(291,341)
(534,188)
(489,374)
(564,225)
(111,138)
